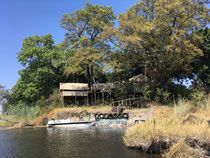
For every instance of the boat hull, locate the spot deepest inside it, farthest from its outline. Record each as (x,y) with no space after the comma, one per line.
(72,124)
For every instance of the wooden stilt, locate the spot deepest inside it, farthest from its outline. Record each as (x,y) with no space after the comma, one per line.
(103,97)
(75,100)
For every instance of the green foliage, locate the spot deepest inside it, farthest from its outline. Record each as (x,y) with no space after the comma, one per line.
(162,40)
(196,95)
(85,27)
(44,65)
(3,94)
(55,99)
(147,92)
(41,102)
(201,65)
(22,113)
(155,38)
(162,96)
(123,89)
(179,90)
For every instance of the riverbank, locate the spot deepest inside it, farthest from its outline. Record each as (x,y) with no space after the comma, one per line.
(75,113)
(180,130)
(172,131)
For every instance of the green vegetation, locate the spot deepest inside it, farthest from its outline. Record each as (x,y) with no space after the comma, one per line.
(3,94)
(163,41)
(85,28)
(23,113)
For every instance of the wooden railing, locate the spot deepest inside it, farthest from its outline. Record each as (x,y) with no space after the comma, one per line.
(128,103)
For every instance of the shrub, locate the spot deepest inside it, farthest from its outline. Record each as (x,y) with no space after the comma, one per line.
(162,96)
(179,90)
(55,99)
(41,102)
(197,95)
(146,91)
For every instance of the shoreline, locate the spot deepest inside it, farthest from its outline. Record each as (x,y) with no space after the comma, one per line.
(163,128)
(172,132)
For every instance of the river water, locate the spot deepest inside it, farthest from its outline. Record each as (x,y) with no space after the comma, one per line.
(65,143)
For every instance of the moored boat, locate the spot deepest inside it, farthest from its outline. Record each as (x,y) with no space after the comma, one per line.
(68,123)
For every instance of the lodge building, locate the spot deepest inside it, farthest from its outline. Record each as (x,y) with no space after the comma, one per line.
(79,93)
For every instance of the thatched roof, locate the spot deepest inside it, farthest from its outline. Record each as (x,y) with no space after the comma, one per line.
(139,78)
(73,86)
(84,86)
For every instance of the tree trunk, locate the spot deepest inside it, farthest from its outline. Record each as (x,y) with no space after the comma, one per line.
(90,84)
(89,77)
(93,83)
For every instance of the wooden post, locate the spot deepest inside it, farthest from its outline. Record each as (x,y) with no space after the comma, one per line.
(75,100)
(110,97)
(103,97)
(62,98)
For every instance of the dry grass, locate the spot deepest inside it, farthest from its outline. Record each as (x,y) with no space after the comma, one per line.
(79,110)
(139,134)
(168,122)
(182,150)
(35,115)
(63,113)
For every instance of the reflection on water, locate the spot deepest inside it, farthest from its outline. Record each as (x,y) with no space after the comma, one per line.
(65,143)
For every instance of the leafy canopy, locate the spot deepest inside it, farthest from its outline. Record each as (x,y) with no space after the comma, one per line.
(201,64)
(85,27)
(43,62)
(155,38)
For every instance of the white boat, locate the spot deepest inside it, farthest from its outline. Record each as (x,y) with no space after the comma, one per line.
(69,123)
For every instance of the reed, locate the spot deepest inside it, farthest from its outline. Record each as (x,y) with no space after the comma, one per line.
(22,113)
(4,124)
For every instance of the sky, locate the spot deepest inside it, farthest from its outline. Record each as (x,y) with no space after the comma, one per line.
(23,18)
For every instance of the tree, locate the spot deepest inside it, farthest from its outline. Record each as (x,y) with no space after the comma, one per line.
(201,64)
(85,27)
(155,38)
(44,64)
(3,94)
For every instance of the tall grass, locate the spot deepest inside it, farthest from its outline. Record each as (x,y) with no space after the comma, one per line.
(205,103)
(22,113)
(184,119)
(182,107)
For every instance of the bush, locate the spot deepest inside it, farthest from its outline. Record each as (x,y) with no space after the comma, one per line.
(123,90)
(179,90)
(146,91)
(55,99)
(41,102)
(196,95)
(162,96)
